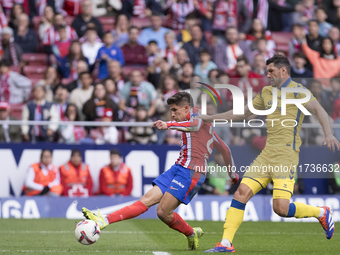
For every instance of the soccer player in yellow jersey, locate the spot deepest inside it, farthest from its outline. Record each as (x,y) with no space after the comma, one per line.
(280,157)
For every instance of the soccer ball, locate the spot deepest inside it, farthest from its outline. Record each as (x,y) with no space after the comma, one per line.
(87,232)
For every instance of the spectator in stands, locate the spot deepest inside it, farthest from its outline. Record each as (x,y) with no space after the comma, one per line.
(154,64)
(71,133)
(140,8)
(154,33)
(153,52)
(171,50)
(262,48)
(80,22)
(184,36)
(24,36)
(82,66)
(186,76)
(107,53)
(333,12)
(138,134)
(75,177)
(16,10)
(91,47)
(257,32)
(321,17)
(226,53)
(325,63)
(105,134)
(169,86)
(106,8)
(295,43)
(177,10)
(313,37)
(47,21)
(196,44)
(137,92)
(3,20)
(43,178)
(52,36)
(315,87)
(11,51)
(259,65)
(84,39)
(228,13)
(246,78)
(40,110)
(299,72)
(180,59)
(8,133)
(305,14)
(116,178)
(61,100)
(115,73)
(50,82)
(99,104)
(68,65)
(14,87)
(120,34)
(334,34)
(61,48)
(205,65)
(112,89)
(134,53)
(79,96)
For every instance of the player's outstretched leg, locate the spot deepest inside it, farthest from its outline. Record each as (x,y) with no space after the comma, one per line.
(300,210)
(166,214)
(151,198)
(233,219)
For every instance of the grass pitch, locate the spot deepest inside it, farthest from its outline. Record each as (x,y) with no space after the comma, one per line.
(56,236)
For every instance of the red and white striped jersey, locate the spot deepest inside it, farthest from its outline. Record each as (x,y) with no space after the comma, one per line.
(197,142)
(178,12)
(52,35)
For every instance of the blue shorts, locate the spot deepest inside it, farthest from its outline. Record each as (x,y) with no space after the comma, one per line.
(180,182)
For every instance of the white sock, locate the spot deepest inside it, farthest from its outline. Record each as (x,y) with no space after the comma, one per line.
(322,212)
(226,243)
(105,219)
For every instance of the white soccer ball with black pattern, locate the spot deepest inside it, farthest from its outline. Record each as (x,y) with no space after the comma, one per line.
(87,232)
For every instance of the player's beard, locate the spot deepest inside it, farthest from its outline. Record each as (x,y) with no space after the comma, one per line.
(275,82)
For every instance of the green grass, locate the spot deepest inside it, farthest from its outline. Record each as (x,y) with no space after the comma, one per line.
(55,236)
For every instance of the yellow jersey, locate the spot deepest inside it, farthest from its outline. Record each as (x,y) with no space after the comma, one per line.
(288,132)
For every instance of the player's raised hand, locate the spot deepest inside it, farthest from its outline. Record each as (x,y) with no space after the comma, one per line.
(205,118)
(332,143)
(160,125)
(235,178)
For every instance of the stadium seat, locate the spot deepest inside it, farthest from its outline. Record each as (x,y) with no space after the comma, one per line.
(15,111)
(126,70)
(35,59)
(35,72)
(140,22)
(281,40)
(108,23)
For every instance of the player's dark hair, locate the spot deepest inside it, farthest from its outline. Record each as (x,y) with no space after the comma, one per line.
(90,29)
(74,152)
(83,73)
(107,32)
(191,15)
(181,98)
(204,51)
(157,14)
(61,27)
(243,58)
(5,62)
(279,61)
(323,53)
(300,54)
(43,151)
(115,152)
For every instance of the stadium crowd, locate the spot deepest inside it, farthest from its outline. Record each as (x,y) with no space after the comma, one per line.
(112,60)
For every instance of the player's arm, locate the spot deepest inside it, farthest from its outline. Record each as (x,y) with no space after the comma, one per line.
(184,126)
(229,115)
(224,149)
(315,108)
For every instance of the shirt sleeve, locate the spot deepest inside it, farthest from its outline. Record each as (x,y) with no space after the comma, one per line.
(29,182)
(186,126)
(124,93)
(302,95)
